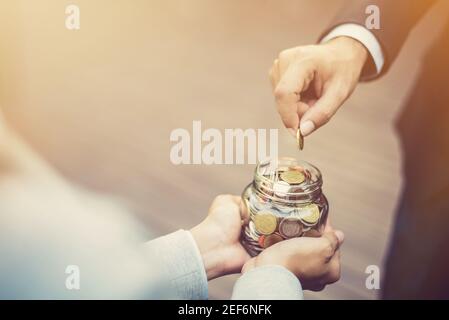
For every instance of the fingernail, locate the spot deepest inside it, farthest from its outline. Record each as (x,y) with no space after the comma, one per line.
(340,235)
(307,128)
(292,131)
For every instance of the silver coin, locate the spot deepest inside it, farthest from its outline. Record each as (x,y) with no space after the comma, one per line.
(281,188)
(290,227)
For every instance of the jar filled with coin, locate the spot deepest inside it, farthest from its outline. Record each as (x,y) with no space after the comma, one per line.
(283,201)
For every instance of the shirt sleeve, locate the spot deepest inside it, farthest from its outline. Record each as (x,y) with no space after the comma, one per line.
(364,36)
(268,283)
(181,262)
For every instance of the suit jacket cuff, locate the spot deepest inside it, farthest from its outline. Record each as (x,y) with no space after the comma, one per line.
(365,37)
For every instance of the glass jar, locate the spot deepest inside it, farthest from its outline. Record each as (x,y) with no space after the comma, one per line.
(283,201)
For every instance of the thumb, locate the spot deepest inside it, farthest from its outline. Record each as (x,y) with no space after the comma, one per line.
(322,111)
(331,239)
(250,264)
(340,236)
(293,83)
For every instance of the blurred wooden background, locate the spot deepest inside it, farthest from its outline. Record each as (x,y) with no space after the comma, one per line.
(100,103)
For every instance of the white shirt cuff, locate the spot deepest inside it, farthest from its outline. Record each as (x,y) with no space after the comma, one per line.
(364,36)
(182,264)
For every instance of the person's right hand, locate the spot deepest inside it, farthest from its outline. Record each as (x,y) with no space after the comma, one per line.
(311,82)
(315,261)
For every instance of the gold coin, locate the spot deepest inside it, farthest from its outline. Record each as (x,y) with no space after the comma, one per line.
(271,239)
(299,139)
(265,222)
(293,177)
(310,214)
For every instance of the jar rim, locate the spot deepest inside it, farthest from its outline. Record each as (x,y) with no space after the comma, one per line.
(311,188)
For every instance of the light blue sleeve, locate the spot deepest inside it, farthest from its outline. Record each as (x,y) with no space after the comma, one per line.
(268,283)
(180,260)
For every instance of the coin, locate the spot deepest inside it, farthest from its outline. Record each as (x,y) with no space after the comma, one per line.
(271,239)
(310,214)
(281,188)
(261,240)
(252,232)
(247,233)
(299,139)
(292,177)
(255,202)
(290,227)
(265,222)
(253,248)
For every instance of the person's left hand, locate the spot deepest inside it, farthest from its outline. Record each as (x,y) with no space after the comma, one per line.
(314,260)
(218,237)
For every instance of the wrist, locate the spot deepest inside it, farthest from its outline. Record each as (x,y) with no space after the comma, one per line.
(349,48)
(209,250)
(271,260)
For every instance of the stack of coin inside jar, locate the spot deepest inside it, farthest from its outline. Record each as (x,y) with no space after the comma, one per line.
(284,201)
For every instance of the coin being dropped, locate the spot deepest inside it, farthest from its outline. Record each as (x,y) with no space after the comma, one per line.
(293,177)
(271,239)
(310,214)
(265,222)
(290,227)
(299,139)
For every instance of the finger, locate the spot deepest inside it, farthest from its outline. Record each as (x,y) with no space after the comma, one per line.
(328,228)
(302,108)
(293,82)
(274,74)
(330,242)
(312,233)
(315,287)
(341,237)
(250,264)
(237,199)
(297,77)
(323,110)
(284,59)
(225,200)
(244,212)
(334,271)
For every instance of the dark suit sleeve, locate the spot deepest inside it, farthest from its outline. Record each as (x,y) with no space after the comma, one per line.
(397,19)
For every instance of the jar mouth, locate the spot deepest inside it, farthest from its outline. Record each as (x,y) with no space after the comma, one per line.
(267,182)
